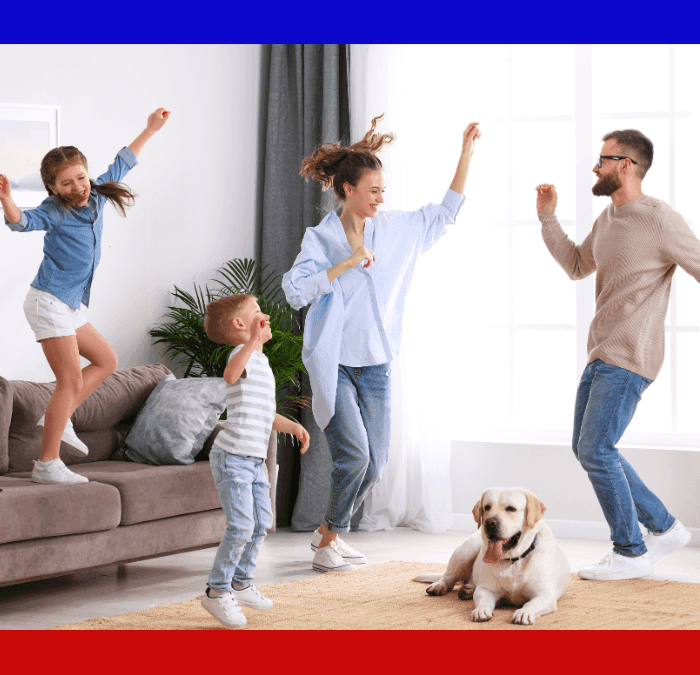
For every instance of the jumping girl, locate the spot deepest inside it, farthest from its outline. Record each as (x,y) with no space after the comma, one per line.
(354,270)
(72,218)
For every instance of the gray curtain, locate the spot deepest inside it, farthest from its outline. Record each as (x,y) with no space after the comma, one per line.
(305,103)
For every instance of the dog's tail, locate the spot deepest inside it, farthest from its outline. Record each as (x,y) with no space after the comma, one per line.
(428,578)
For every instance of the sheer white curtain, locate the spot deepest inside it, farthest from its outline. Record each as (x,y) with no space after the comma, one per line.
(415,488)
(495,333)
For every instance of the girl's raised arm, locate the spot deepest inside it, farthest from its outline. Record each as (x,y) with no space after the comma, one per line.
(156,121)
(12,213)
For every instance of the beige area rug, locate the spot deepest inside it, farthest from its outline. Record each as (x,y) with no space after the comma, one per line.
(384,597)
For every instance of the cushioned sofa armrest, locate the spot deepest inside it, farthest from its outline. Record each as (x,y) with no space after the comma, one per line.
(5,419)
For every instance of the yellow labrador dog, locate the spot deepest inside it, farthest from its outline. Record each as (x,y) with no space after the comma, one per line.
(514,559)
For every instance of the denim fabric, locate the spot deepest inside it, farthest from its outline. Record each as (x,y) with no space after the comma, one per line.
(245,498)
(72,242)
(606,400)
(358,436)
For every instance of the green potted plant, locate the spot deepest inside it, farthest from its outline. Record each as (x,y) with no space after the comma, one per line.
(186,342)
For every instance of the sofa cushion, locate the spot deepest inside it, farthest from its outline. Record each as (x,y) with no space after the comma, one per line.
(152,492)
(5,419)
(176,420)
(34,511)
(97,420)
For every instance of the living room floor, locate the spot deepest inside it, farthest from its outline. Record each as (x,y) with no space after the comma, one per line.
(285,556)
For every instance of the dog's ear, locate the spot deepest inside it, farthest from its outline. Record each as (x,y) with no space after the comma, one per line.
(478,511)
(534,510)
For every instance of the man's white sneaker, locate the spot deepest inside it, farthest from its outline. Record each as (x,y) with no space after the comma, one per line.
(55,472)
(225,610)
(659,545)
(252,597)
(327,559)
(75,446)
(350,554)
(615,566)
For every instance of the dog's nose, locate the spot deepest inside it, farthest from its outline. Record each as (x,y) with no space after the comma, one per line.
(491,524)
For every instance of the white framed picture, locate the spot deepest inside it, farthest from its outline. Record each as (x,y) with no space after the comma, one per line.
(27,133)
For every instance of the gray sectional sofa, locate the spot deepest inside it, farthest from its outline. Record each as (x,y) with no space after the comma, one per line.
(126,512)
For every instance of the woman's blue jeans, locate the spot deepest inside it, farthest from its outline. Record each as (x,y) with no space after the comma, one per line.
(245,498)
(606,400)
(358,436)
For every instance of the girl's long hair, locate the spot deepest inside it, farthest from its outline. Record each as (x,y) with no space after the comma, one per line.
(59,158)
(334,164)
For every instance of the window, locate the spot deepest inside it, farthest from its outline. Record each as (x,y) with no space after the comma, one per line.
(511,327)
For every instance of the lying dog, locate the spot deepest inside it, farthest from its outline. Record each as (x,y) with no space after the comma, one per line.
(514,559)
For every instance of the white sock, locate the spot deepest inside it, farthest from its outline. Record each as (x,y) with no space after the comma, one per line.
(43,465)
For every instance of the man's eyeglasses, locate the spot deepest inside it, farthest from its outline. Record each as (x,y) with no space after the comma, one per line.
(602,157)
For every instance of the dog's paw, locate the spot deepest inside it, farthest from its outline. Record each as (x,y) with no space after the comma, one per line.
(482,614)
(466,592)
(438,588)
(524,617)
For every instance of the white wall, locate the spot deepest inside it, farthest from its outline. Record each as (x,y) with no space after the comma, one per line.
(551,472)
(196,181)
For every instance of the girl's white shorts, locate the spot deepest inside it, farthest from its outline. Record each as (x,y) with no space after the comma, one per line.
(50,317)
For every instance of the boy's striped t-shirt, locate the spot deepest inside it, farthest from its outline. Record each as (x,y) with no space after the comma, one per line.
(251,406)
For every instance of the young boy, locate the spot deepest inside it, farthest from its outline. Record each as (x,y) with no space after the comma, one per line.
(238,455)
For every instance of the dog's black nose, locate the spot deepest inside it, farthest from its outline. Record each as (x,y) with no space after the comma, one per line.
(491,526)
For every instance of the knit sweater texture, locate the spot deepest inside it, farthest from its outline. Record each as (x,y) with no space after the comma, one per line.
(634,250)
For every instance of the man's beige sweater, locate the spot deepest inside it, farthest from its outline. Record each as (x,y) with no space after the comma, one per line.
(634,250)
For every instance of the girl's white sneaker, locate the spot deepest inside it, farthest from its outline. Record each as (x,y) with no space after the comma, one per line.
(55,472)
(75,446)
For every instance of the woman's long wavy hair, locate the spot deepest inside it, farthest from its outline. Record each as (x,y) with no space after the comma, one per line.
(59,158)
(334,164)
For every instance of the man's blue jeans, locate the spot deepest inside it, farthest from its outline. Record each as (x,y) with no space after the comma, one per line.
(245,498)
(605,403)
(358,436)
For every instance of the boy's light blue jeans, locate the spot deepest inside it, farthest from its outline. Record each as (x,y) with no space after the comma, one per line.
(245,498)
(606,400)
(358,436)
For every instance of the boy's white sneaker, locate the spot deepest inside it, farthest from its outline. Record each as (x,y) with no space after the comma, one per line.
(252,597)
(225,610)
(348,553)
(327,559)
(55,472)
(659,545)
(75,446)
(615,566)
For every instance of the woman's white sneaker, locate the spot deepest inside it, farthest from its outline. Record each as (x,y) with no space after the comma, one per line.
(615,566)
(350,554)
(75,446)
(55,472)
(327,559)
(225,610)
(659,545)
(252,597)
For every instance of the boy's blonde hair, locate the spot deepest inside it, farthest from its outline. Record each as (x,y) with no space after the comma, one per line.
(220,312)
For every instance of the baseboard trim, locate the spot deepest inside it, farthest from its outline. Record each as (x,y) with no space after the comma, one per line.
(566,529)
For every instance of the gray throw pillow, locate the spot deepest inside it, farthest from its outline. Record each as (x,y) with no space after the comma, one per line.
(176,420)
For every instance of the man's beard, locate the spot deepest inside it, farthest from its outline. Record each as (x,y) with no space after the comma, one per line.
(607,185)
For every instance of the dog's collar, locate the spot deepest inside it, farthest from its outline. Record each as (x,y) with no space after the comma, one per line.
(527,553)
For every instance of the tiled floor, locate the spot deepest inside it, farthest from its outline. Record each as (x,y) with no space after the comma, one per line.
(285,556)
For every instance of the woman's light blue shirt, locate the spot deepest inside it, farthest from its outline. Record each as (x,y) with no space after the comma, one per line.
(72,243)
(357,319)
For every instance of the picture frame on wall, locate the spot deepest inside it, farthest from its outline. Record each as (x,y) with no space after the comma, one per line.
(27,133)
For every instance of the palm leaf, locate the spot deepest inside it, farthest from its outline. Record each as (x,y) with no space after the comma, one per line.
(187,343)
